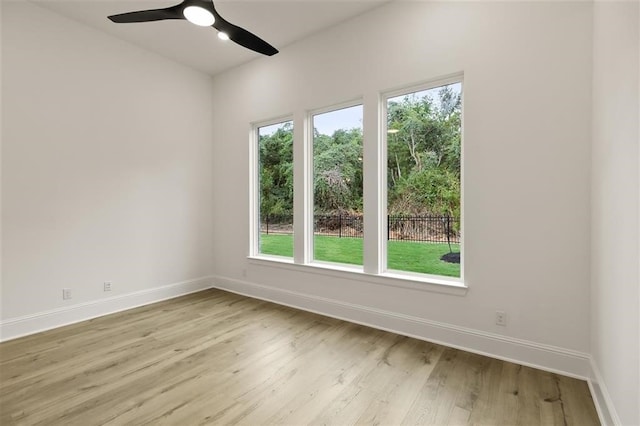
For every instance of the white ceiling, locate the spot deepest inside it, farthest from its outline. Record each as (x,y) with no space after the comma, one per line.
(278,22)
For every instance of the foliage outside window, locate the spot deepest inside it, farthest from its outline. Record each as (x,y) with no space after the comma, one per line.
(275,147)
(423,181)
(337,186)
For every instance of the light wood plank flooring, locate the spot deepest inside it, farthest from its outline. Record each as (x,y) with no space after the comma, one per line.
(219,358)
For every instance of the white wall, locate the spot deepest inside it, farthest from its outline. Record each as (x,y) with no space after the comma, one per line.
(615,251)
(527,70)
(106,166)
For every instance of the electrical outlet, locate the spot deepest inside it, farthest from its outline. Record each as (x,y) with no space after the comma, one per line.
(66,293)
(501,318)
(107,286)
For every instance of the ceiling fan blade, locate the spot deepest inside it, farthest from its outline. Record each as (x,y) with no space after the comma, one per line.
(242,36)
(148,15)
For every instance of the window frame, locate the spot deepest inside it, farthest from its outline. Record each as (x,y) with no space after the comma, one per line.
(254,186)
(374,269)
(310,200)
(384,202)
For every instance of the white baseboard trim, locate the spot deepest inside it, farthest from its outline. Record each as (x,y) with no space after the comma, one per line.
(544,357)
(601,398)
(29,324)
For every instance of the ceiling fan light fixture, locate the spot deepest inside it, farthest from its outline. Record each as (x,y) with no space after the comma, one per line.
(199,16)
(223,36)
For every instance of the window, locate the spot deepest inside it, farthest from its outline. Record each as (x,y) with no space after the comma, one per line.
(275,194)
(337,186)
(423,181)
(410,152)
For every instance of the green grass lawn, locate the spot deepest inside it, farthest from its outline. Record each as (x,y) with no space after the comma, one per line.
(402,255)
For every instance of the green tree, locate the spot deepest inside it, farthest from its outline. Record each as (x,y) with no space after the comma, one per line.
(276,172)
(424,154)
(338,171)
(423,161)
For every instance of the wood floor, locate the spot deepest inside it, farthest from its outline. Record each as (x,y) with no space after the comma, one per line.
(219,358)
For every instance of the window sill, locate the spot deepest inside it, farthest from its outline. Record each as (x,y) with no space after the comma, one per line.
(398,279)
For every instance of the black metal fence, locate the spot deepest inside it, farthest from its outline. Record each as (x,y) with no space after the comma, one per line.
(277,224)
(338,225)
(435,229)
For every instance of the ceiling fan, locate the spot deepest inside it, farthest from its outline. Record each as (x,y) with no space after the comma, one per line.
(204,14)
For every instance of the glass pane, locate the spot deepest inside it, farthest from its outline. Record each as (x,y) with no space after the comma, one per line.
(423,181)
(337,186)
(276,189)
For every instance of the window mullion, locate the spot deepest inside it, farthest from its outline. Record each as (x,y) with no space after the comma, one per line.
(302,190)
(373,186)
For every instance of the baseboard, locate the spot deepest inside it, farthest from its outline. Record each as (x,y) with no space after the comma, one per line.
(545,357)
(601,398)
(29,324)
